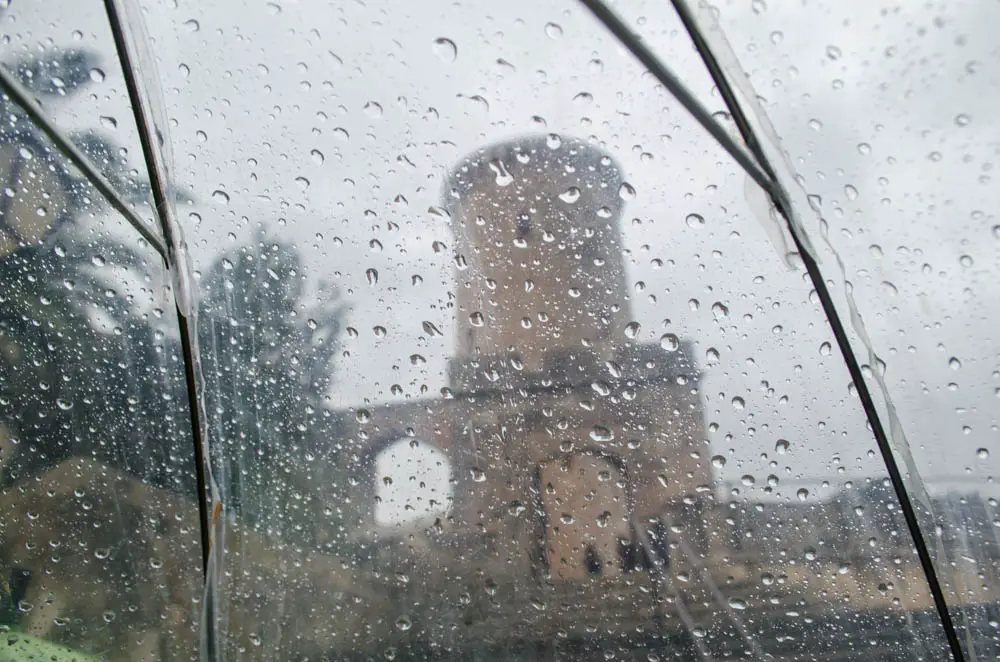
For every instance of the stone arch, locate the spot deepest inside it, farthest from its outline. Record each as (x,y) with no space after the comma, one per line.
(585,503)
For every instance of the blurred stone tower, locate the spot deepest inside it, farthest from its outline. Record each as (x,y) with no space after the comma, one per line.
(571,441)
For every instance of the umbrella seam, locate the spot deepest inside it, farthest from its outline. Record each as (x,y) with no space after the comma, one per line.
(158,185)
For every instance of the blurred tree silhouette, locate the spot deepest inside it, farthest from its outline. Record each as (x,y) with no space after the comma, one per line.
(82,374)
(82,371)
(268,351)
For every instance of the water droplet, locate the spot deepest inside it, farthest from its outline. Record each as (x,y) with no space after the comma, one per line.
(372,276)
(317,157)
(718,461)
(445,49)
(601,433)
(363,416)
(403,623)
(632,329)
(97,75)
(781,446)
(954,363)
(864,148)
(719,310)
(739,404)
(503,177)
(983,453)
(379,331)
(695,220)
(553,31)
(476,319)
(825,349)
(962,119)
(109,122)
(220,196)
(192,25)
(373,109)
(570,195)
(670,342)
(601,388)
(477,474)
(802,494)
(966,261)
(737,604)
(98,261)
(833,52)
(626,191)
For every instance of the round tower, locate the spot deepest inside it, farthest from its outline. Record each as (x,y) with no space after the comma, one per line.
(560,411)
(538,252)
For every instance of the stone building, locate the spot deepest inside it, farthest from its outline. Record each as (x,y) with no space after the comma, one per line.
(571,445)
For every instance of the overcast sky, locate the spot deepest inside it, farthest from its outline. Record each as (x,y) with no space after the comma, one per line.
(317,122)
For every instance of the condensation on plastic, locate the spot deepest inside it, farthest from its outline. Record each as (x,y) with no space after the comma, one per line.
(793,184)
(684,257)
(99,528)
(776,227)
(67,59)
(924,75)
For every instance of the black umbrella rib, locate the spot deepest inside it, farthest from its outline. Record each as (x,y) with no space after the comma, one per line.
(158,184)
(780,201)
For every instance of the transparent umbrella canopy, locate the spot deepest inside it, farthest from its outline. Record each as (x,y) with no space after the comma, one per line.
(586,330)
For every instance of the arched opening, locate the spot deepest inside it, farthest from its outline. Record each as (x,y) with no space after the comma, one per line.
(413,483)
(586,511)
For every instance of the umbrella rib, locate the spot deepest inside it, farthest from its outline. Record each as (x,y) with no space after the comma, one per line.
(158,184)
(666,77)
(780,203)
(22,97)
(763,170)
